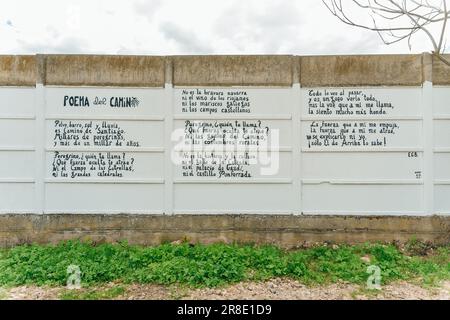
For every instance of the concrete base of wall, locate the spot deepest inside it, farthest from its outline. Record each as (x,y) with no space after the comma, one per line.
(286,231)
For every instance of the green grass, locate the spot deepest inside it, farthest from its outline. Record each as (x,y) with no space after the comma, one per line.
(214,265)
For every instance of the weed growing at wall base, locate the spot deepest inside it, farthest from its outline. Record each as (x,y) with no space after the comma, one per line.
(215,265)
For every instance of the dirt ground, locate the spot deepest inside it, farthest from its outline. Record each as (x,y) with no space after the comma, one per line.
(276,289)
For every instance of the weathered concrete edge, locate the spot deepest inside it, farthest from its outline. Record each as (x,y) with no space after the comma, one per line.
(18,70)
(104,70)
(286,231)
(441,71)
(226,70)
(234,70)
(361,70)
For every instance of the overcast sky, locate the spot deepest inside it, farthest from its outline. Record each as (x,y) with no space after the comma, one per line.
(166,27)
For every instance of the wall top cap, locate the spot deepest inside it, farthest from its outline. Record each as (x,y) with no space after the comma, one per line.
(103,70)
(361,70)
(222,70)
(233,70)
(17,70)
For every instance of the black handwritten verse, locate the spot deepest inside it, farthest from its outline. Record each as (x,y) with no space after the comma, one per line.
(350,133)
(90,134)
(91,164)
(345,102)
(96,134)
(346,132)
(210,101)
(217,164)
(226,132)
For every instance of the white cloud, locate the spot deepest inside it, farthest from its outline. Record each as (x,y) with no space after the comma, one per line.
(183,27)
(186,41)
(147,8)
(65,45)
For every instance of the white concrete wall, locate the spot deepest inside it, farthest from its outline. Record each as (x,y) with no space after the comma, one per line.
(441,133)
(17,149)
(394,158)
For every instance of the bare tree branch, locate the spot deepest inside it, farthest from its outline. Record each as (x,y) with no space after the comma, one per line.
(398,20)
